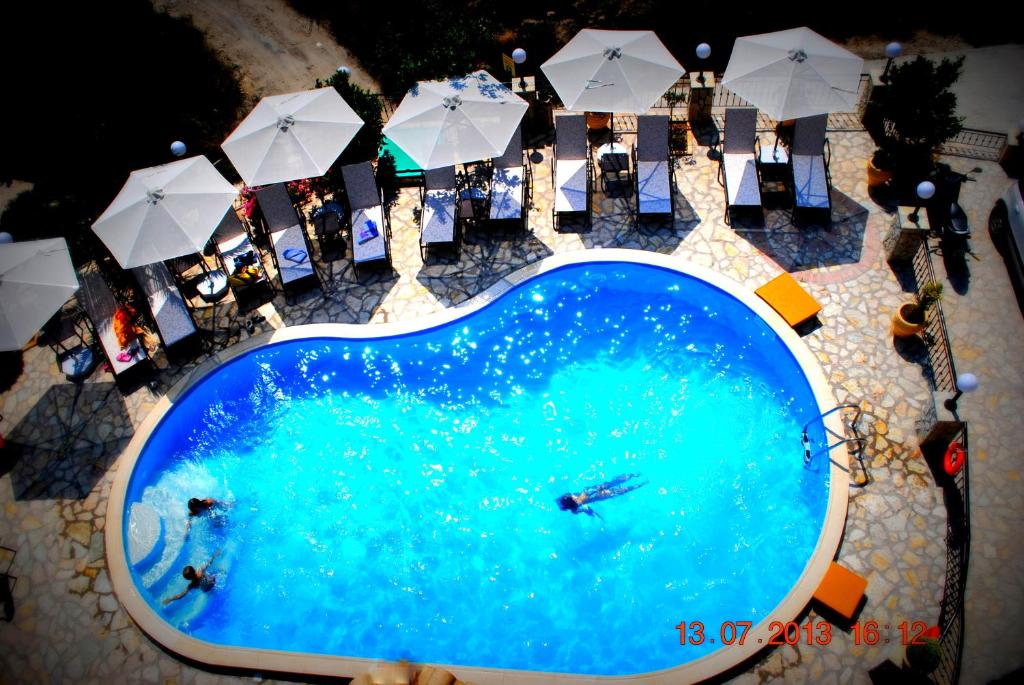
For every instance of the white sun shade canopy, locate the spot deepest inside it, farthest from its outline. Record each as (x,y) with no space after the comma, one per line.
(794,73)
(612,71)
(36,279)
(292,136)
(458,120)
(164,212)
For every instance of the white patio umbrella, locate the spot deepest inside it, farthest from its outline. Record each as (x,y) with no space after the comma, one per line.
(794,73)
(291,136)
(612,71)
(36,279)
(165,211)
(441,123)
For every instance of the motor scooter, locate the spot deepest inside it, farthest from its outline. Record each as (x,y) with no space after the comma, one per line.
(947,218)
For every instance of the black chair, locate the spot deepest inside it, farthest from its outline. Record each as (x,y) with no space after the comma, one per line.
(511,185)
(290,248)
(572,170)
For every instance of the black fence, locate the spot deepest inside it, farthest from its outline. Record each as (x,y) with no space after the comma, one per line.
(935,334)
(958,547)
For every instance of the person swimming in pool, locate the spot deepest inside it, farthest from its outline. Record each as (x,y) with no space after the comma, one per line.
(577,504)
(197,506)
(196,579)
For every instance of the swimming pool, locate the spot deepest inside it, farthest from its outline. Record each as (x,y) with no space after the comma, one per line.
(426,472)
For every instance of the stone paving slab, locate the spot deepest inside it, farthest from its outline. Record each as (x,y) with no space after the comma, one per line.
(70,628)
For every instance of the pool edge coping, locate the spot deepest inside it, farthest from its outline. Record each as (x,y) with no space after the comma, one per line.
(716,663)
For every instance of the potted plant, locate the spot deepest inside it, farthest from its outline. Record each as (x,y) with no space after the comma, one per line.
(881,167)
(910,317)
(677,129)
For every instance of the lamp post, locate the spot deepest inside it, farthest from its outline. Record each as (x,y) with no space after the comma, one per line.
(519,56)
(965,382)
(703,52)
(178,148)
(892,51)
(925,190)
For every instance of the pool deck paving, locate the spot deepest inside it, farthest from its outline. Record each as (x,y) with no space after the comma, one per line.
(69,626)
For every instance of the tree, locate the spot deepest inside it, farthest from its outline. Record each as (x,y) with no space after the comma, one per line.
(915,113)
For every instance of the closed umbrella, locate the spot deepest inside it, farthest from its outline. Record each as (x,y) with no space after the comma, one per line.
(292,136)
(36,279)
(794,73)
(612,71)
(457,120)
(165,211)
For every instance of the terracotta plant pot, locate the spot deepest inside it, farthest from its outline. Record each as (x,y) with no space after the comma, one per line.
(901,326)
(598,120)
(878,177)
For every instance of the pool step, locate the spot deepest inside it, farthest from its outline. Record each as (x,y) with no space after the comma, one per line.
(145,535)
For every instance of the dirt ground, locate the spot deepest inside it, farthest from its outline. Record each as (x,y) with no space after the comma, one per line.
(923,43)
(275,49)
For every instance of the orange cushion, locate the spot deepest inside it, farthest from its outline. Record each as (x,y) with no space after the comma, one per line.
(784,295)
(841,590)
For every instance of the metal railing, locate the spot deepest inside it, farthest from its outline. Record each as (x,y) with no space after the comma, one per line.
(975,144)
(935,335)
(958,547)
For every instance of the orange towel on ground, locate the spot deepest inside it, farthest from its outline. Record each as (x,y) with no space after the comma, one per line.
(841,590)
(789,299)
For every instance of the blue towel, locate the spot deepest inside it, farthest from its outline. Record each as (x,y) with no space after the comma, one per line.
(294,255)
(368,233)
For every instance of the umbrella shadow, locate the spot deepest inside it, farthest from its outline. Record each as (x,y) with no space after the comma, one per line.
(66,442)
(812,245)
(360,293)
(653,233)
(485,258)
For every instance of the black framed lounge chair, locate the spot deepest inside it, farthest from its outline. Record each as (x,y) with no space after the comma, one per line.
(371,226)
(809,158)
(129,363)
(737,170)
(572,170)
(174,323)
(511,185)
(439,224)
(290,248)
(655,182)
(242,262)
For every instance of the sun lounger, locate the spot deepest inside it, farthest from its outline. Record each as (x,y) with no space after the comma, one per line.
(655,183)
(438,225)
(126,361)
(242,262)
(289,243)
(737,167)
(809,160)
(370,223)
(174,323)
(572,170)
(510,183)
(841,590)
(785,296)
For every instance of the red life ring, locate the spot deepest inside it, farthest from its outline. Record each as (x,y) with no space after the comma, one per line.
(955,458)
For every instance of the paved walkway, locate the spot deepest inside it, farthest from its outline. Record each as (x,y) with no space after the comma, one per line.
(70,628)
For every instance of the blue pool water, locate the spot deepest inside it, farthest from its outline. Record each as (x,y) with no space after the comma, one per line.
(395,497)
